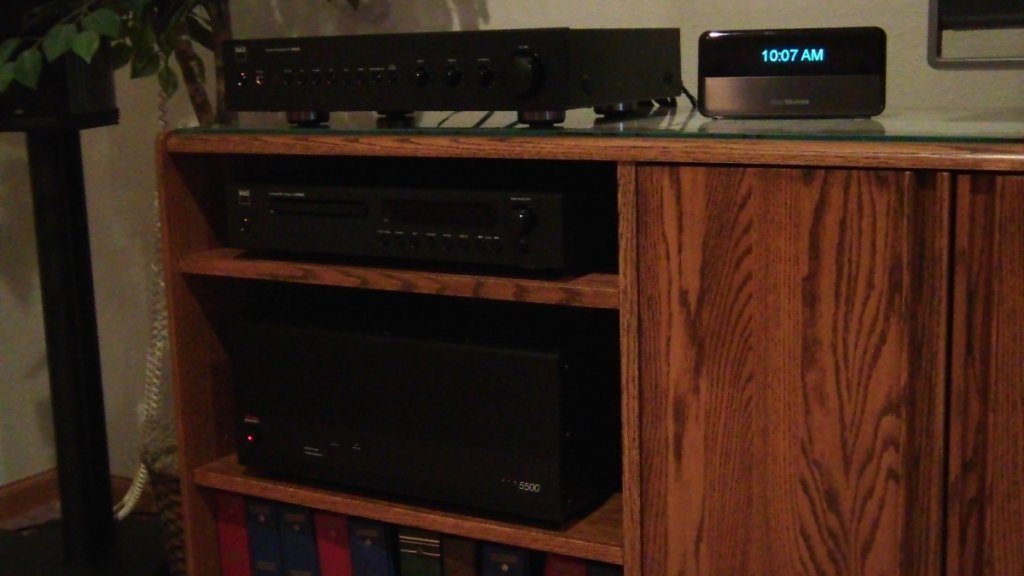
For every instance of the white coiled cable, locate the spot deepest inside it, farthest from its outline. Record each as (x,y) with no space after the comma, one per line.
(157,347)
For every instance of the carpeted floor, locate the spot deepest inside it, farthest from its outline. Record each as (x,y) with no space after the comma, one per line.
(31,545)
(40,515)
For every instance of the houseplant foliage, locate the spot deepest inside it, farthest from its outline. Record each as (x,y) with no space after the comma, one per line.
(152,37)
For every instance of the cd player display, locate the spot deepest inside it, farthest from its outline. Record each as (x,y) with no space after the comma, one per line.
(518,228)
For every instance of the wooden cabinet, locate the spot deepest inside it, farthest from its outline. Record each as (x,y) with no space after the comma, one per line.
(792,370)
(821,348)
(209,283)
(986,423)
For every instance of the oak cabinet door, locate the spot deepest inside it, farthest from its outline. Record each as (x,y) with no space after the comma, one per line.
(986,471)
(792,329)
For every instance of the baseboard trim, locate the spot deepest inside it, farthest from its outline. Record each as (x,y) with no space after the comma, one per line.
(23,496)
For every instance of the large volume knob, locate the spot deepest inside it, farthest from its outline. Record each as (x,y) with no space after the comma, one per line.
(527,75)
(522,221)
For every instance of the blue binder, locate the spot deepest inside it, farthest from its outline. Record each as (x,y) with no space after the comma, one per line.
(264,542)
(373,546)
(298,540)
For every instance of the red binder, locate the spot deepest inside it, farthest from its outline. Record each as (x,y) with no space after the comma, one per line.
(557,565)
(232,534)
(332,544)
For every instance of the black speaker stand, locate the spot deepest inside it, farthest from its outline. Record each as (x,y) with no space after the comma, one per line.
(87,540)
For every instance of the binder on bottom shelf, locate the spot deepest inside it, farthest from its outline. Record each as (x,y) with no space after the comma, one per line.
(372,546)
(500,560)
(298,543)
(602,569)
(264,541)
(232,534)
(458,556)
(419,552)
(332,544)
(558,565)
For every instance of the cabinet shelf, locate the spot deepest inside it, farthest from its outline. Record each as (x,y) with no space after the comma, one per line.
(595,537)
(587,290)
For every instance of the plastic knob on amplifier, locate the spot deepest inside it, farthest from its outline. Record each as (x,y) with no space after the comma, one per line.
(421,77)
(522,221)
(452,76)
(485,76)
(527,74)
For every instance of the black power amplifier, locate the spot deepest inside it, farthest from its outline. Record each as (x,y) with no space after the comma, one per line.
(539,73)
(474,422)
(528,229)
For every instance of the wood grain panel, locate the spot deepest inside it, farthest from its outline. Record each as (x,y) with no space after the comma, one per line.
(792,368)
(598,536)
(189,186)
(628,352)
(919,155)
(588,290)
(986,490)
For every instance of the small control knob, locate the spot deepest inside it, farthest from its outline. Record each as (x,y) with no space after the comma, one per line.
(527,74)
(421,77)
(523,221)
(486,77)
(452,76)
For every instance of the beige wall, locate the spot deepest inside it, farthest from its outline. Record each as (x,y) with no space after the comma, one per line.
(910,81)
(120,180)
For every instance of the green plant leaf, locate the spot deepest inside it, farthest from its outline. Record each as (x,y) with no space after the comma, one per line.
(7,47)
(168,80)
(120,55)
(145,62)
(6,75)
(104,22)
(58,40)
(136,6)
(85,44)
(143,38)
(28,67)
(199,32)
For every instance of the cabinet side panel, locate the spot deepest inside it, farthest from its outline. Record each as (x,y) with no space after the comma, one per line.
(188,192)
(781,403)
(628,333)
(986,489)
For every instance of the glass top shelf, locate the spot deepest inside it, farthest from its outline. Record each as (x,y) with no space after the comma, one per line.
(968,126)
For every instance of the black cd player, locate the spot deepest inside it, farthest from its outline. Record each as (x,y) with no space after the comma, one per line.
(530,229)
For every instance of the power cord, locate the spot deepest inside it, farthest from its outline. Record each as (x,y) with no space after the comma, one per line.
(157,346)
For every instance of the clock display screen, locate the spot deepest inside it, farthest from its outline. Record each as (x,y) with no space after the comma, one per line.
(791,55)
(797,52)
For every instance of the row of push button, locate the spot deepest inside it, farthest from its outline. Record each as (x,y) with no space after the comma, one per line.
(318,77)
(451,75)
(446,243)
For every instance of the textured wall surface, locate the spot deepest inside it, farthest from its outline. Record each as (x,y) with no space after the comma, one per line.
(911,82)
(120,183)
(120,172)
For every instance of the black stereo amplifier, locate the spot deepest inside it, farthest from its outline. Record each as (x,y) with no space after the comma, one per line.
(539,73)
(498,427)
(542,230)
